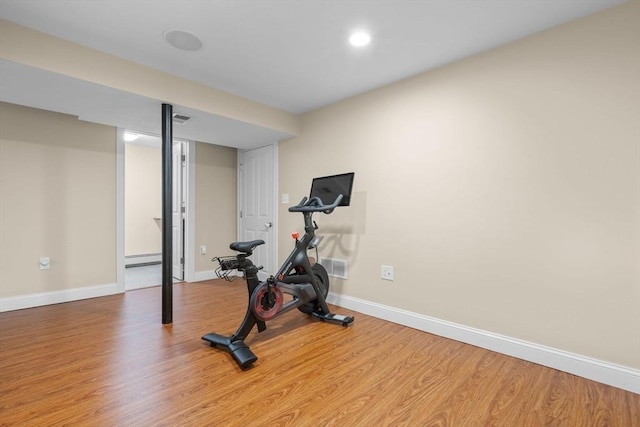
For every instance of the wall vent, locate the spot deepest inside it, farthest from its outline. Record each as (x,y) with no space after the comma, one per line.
(180,118)
(335,267)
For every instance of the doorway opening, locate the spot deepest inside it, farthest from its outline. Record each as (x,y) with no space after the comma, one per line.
(142,223)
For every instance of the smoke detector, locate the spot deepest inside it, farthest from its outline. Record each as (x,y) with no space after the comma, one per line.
(180,119)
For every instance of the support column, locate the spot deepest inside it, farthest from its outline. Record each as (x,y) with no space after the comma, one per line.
(167,214)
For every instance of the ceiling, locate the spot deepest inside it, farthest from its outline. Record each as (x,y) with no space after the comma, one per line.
(288,54)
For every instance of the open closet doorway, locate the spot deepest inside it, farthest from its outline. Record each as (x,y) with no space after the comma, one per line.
(143,209)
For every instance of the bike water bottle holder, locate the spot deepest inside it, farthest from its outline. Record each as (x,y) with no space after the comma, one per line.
(313,244)
(227,264)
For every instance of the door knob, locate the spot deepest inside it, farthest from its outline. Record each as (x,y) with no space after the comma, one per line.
(268,224)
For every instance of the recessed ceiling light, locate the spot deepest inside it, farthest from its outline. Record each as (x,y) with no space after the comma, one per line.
(183,40)
(359,39)
(130,136)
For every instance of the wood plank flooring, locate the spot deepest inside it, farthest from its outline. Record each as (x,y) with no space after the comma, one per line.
(110,362)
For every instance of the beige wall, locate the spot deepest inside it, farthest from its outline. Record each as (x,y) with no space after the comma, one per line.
(57,199)
(504,189)
(215,202)
(143,200)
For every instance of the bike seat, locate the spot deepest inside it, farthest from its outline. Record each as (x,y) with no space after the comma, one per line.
(246,247)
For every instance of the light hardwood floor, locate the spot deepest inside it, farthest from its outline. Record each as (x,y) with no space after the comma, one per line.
(110,362)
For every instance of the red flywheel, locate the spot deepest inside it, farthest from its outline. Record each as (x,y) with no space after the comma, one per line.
(266,301)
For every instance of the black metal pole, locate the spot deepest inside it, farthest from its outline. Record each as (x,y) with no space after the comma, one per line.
(167,214)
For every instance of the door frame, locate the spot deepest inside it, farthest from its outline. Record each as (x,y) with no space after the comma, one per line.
(179,190)
(240,191)
(189,231)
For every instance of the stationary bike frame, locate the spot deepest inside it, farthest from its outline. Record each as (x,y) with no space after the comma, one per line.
(295,277)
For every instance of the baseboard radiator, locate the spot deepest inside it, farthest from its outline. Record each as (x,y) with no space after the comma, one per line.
(142,259)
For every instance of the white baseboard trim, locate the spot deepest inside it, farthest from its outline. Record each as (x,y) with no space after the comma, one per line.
(135,287)
(56,297)
(604,372)
(199,276)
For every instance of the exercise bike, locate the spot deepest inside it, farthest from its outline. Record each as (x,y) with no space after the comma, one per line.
(306,281)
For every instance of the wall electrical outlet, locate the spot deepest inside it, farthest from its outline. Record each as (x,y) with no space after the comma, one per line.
(386,272)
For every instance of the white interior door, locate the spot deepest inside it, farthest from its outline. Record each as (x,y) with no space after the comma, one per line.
(178,209)
(257,197)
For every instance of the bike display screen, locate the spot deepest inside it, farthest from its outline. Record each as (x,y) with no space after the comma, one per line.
(327,188)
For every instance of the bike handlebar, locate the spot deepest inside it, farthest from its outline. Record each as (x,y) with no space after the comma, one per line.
(314,204)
